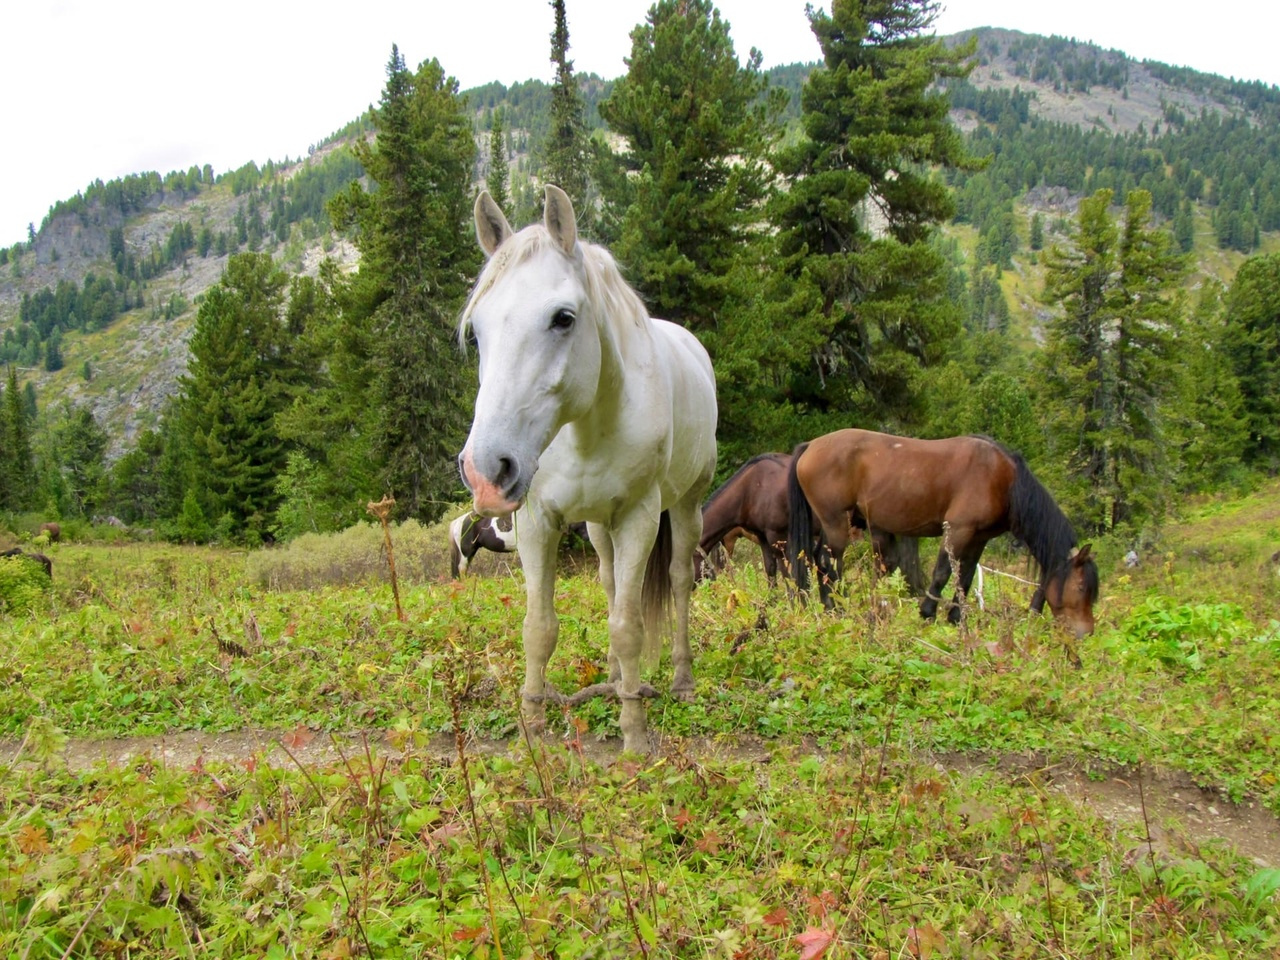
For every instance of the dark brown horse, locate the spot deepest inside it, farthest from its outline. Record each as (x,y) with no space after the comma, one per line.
(966,490)
(39,558)
(753,503)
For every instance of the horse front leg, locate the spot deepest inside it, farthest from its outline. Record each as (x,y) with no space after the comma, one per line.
(633,538)
(968,567)
(933,595)
(537,548)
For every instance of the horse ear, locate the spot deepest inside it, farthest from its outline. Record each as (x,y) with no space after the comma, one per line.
(559,218)
(1080,556)
(491,223)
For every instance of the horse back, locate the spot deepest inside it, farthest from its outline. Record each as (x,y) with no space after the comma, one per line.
(910,487)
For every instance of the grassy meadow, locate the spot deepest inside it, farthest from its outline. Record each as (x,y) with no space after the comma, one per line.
(860,784)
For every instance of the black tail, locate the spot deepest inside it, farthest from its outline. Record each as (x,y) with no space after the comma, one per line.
(903,553)
(655,595)
(801,549)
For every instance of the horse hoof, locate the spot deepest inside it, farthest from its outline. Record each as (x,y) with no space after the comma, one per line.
(953,616)
(684,694)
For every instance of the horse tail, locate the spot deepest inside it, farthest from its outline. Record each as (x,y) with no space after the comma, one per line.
(800,529)
(903,553)
(655,595)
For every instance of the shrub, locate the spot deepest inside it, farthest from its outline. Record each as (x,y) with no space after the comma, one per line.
(353,556)
(23,583)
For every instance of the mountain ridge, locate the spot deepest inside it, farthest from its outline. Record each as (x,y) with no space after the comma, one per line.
(133,364)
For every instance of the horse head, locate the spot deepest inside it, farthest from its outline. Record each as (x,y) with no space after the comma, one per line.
(540,348)
(1072,590)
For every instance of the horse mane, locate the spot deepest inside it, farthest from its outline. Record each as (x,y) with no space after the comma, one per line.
(613,300)
(1036,519)
(715,494)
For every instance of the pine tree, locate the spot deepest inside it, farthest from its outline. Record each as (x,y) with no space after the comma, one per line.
(1036,239)
(697,133)
(6,458)
(1111,367)
(239,376)
(81,446)
(396,394)
(564,154)
(17,469)
(496,180)
(1210,428)
(1252,341)
(857,221)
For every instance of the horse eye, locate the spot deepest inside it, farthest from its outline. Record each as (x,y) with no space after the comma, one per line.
(562,320)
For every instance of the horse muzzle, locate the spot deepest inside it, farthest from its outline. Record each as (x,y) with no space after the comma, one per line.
(497,486)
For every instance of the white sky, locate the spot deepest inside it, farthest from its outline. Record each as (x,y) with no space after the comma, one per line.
(102,88)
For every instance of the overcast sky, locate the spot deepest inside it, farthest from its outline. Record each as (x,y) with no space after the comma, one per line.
(101,88)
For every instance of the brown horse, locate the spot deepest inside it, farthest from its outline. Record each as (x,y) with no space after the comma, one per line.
(754,503)
(966,490)
(39,558)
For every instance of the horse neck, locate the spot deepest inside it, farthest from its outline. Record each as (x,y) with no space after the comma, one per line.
(610,405)
(721,515)
(1039,522)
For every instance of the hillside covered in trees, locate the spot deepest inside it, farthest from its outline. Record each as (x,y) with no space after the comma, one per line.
(1083,262)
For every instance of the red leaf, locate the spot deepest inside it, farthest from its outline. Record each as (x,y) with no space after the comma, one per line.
(682,819)
(820,904)
(814,942)
(777,918)
(924,940)
(468,933)
(298,738)
(710,843)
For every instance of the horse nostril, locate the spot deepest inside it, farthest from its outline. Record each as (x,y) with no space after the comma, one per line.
(506,474)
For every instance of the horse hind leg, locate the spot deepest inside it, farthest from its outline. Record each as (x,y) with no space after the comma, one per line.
(686,531)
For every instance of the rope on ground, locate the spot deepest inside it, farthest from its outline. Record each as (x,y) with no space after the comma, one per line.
(999,573)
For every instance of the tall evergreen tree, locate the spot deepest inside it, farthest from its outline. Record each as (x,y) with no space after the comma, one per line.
(81,446)
(697,132)
(396,394)
(1210,428)
(857,221)
(1252,341)
(17,466)
(565,151)
(496,179)
(239,376)
(1110,369)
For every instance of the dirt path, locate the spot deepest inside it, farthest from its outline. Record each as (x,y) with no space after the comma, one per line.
(1180,815)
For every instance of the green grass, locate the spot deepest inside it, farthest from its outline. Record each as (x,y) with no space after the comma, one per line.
(839,837)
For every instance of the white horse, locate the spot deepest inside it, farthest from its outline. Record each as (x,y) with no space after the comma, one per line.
(588,409)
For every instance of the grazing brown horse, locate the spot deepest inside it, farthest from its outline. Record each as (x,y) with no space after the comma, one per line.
(39,558)
(753,503)
(966,490)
